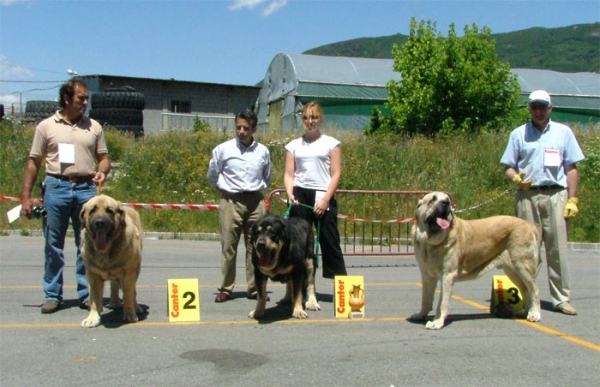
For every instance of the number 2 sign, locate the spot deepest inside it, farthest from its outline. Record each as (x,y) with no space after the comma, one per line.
(184,300)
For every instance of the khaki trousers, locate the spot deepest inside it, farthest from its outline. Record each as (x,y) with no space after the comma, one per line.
(545,208)
(237,214)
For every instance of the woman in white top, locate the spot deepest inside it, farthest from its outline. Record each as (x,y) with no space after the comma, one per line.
(313,168)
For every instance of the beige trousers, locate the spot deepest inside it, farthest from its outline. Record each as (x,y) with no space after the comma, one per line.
(545,208)
(237,214)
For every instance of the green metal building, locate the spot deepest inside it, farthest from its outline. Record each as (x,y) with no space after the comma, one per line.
(348,88)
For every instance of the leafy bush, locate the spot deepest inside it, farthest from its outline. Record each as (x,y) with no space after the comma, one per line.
(448,85)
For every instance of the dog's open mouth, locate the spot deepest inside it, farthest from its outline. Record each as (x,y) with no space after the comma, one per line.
(101,232)
(265,257)
(100,240)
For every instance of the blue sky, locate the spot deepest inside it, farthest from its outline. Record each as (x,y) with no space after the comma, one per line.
(222,41)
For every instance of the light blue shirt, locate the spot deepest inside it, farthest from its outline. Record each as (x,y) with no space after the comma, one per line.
(527,149)
(235,168)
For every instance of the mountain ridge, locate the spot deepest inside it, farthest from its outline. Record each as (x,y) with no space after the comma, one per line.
(570,49)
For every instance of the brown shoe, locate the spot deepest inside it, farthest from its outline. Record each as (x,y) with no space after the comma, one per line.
(566,308)
(50,306)
(223,296)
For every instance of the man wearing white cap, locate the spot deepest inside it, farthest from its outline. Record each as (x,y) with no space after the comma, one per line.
(540,159)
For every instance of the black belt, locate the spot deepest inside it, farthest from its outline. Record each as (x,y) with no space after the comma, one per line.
(546,187)
(242,193)
(73,179)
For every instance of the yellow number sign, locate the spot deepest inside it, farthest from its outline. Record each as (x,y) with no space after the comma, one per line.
(184,300)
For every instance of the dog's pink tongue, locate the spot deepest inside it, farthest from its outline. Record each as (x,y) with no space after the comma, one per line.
(100,241)
(443,223)
(263,258)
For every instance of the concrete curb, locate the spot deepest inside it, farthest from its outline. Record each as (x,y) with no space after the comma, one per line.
(200,236)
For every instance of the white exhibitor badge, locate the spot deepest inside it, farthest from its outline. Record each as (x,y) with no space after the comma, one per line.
(318,196)
(552,158)
(66,153)
(14,213)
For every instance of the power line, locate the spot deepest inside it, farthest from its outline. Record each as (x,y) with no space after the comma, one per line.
(8,81)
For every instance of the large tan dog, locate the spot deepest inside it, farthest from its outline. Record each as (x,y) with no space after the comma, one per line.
(111,250)
(451,249)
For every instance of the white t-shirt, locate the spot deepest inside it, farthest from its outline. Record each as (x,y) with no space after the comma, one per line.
(313,161)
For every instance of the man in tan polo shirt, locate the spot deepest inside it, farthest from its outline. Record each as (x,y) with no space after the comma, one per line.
(76,156)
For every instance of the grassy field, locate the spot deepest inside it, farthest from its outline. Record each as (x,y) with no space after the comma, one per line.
(171,168)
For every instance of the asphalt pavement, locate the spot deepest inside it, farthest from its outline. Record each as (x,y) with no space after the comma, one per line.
(227,348)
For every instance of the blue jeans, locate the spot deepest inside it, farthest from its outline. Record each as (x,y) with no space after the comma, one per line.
(63,201)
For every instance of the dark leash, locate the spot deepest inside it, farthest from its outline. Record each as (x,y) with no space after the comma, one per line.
(286,214)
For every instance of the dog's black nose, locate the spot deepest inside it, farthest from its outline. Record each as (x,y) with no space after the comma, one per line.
(100,224)
(260,246)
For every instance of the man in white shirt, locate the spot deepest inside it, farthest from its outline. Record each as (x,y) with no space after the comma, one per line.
(239,168)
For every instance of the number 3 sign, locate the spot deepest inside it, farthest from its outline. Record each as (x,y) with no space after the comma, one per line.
(184,300)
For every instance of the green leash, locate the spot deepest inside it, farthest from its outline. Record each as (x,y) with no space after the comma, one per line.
(286,214)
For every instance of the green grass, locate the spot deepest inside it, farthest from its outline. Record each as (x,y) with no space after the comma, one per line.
(171,168)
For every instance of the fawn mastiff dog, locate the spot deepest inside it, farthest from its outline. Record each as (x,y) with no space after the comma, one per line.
(284,250)
(111,250)
(451,249)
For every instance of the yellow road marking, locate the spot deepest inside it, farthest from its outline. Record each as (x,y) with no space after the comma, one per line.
(474,304)
(536,325)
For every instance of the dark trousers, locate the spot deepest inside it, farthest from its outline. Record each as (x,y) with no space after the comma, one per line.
(329,238)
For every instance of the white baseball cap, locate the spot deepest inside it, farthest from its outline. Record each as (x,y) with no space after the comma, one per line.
(540,96)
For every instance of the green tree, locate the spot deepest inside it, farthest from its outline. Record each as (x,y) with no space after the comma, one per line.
(450,85)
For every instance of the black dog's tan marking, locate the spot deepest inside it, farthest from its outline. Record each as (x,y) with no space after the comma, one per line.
(283,250)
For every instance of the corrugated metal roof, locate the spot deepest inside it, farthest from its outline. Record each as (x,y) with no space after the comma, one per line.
(294,78)
(377,72)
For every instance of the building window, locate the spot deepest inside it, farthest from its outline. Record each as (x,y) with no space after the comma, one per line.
(179,106)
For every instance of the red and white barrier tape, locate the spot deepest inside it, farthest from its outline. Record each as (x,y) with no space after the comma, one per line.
(353,219)
(13,199)
(169,206)
(215,207)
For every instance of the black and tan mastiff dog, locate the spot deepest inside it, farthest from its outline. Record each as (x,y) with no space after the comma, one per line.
(450,249)
(284,250)
(111,250)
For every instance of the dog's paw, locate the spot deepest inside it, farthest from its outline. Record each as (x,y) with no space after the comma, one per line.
(418,317)
(312,305)
(91,322)
(130,316)
(115,304)
(300,313)
(534,316)
(256,314)
(435,324)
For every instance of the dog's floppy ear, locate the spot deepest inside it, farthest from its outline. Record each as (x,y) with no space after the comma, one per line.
(253,233)
(121,214)
(82,213)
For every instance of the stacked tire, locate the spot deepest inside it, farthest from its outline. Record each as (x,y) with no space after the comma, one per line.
(35,111)
(121,108)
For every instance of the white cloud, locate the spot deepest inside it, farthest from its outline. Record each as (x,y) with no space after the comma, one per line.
(11,2)
(273,7)
(8,100)
(11,70)
(269,8)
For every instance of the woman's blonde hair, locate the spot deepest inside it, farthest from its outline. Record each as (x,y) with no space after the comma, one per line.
(313,106)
